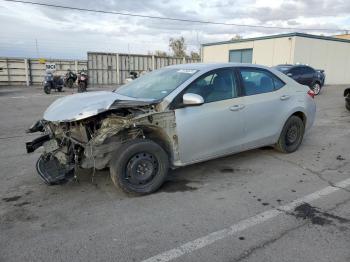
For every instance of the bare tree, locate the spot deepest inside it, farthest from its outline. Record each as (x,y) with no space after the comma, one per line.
(160,53)
(236,37)
(195,55)
(178,46)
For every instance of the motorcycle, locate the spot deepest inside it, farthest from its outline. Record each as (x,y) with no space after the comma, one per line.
(52,82)
(69,79)
(82,82)
(132,76)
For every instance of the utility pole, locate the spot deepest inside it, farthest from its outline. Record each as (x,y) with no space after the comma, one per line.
(37,48)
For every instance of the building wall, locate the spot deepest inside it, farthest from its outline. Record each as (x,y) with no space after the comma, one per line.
(343,36)
(271,52)
(266,52)
(332,56)
(220,53)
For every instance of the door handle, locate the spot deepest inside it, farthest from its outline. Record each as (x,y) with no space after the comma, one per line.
(237,107)
(284,97)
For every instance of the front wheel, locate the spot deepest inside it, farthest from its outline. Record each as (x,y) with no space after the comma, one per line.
(47,89)
(316,88)
(347,103)
(291,135)
(139,166)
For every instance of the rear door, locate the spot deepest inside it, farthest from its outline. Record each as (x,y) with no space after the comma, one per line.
(295,73)
(310,76)
(266,103)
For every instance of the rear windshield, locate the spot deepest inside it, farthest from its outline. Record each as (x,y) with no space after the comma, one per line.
(157,84)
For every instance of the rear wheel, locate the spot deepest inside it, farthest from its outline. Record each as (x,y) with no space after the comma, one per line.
(291,135)
(70,83)
(140,166)
(82,87)
(316,88)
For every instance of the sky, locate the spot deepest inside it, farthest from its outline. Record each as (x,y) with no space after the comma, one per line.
(37,31)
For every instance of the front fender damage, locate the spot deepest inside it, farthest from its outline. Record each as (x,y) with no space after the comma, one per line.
(91,143)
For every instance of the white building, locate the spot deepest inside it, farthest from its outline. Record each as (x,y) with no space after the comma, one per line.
(321,52)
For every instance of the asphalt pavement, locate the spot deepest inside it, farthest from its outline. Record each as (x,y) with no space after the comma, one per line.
(258,205)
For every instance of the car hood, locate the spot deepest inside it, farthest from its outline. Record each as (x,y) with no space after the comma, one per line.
(80,106)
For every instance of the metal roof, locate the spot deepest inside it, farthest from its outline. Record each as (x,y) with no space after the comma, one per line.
(328,38)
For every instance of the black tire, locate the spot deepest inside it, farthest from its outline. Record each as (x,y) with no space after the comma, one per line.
(139,166)
(70,83)
(347,105)
(47,89)
(82,87)
(59,89)
(291,135)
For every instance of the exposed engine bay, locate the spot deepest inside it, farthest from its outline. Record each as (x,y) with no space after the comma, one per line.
(91,142)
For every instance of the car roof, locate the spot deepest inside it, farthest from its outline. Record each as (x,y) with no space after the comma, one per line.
(292,66)
(211,66)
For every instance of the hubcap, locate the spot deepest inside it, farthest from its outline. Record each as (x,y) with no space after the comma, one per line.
(292,134)
(317,89)
(141,168)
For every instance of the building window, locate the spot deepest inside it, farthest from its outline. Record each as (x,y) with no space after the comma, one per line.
(241,56)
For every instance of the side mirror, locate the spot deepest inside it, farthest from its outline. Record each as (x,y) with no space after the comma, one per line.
(192,99)
(290,74)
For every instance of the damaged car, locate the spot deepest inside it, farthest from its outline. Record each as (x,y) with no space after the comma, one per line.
(169,118)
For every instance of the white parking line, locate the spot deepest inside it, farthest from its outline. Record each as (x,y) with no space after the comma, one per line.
(31,96)
(27,97)
(244,224)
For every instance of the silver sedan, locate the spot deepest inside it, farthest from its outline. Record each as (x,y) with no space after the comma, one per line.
(172,117)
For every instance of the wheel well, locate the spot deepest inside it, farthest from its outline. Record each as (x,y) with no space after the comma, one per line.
(318,82)
(160,137)
(301,115)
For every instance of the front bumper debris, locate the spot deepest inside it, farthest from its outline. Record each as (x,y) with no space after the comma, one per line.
(36,143)
(52,171)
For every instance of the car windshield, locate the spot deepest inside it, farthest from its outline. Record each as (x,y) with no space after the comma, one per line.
(156,85)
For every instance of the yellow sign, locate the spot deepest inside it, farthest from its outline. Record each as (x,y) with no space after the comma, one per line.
(42,60)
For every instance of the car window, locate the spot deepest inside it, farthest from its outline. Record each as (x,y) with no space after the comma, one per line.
(257,81)
(295,71)
(308,70)
(215,86)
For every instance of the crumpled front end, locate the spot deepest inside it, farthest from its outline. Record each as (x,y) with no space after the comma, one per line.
(62,147)
(91,142)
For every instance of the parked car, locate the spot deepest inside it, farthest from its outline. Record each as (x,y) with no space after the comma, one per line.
(347,98)
(305,75)
(172,117)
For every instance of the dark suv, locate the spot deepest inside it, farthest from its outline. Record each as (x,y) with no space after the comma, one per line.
(304,75)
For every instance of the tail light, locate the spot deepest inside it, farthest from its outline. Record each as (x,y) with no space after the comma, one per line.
(311,93)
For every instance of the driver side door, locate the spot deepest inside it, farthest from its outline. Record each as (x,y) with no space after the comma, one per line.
(214,128)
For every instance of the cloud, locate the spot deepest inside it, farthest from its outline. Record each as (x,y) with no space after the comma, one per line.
(71,33)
